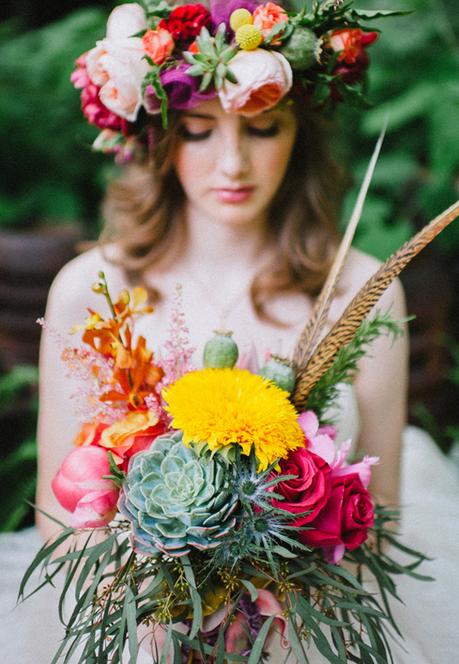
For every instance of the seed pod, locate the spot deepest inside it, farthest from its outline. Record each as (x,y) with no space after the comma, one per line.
(221,351)
(280,371)
(301,49)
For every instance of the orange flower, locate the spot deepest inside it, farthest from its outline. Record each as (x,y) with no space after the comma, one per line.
(266,16)
(158,45)
(133,433)
(350,43)
(90,433)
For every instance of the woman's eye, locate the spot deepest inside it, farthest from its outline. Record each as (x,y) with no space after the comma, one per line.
(193,135)
(264,132)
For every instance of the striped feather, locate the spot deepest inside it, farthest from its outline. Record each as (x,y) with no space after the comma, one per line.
(311,334)
(359,307)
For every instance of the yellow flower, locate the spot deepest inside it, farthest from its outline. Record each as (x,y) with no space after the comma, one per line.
(248,37)
(240,17)
(224,407)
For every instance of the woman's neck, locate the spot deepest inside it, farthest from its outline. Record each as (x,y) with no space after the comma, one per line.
(213,246)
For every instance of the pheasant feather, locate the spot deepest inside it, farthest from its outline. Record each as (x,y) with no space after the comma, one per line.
(344,329)
(311,334)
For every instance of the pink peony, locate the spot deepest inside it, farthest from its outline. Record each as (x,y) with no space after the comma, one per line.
(263,79)
(91,105)
(117,65)
(80,488)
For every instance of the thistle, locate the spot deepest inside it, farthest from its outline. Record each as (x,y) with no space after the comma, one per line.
(211,63)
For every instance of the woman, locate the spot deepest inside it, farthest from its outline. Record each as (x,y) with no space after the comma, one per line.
(241,211)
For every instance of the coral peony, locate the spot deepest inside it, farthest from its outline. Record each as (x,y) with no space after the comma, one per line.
(264,78)
(267,16)
(80,488)
(158,45)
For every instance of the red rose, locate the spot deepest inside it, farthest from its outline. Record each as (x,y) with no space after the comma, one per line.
(310,490)
(346,517)
(185,22)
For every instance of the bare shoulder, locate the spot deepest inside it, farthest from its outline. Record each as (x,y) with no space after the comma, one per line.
(70,294)
(358,269)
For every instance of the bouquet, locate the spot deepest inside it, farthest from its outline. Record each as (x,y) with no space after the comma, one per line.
(232,522)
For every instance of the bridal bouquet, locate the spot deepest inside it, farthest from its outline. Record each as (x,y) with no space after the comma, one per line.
(225,506)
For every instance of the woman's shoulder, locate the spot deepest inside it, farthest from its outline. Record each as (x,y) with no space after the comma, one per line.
(70,294)
(359,267)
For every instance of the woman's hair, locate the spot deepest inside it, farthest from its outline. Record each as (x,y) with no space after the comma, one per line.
(144,216)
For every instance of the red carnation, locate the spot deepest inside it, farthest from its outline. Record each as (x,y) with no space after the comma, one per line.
(352,60)
(185,23)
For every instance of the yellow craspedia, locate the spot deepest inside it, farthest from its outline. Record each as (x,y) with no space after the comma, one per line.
(248,37)
(240,17)
(224,407)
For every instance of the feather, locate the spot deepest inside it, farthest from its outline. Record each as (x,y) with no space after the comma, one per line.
(310,335)
(344,329)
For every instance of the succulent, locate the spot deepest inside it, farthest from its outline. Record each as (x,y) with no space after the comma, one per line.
(280,371)
(221,352)
(211,63)
(177,500)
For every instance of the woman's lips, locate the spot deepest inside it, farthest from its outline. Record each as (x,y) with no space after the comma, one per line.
(238,195)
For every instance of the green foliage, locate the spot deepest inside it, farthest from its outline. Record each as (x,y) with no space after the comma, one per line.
(413,78)
(49,171)
(345,366)
(18,467)
(115,590)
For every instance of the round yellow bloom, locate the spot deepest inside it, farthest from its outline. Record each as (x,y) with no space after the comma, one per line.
(240,17)
(224,407)
(248,37)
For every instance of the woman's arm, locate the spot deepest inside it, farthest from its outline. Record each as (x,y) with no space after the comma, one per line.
(381,386)
(58,423)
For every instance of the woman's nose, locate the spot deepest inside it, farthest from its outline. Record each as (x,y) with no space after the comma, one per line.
(234,157)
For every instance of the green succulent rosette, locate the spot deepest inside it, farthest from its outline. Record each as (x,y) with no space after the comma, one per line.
(177,500)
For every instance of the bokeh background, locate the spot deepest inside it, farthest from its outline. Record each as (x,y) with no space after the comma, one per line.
(52,185)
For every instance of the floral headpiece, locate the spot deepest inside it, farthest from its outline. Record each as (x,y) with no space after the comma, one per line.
(249,54)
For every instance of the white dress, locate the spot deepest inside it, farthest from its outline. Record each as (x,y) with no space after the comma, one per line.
(429,619)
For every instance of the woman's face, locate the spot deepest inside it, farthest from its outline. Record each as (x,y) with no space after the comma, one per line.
(230,167)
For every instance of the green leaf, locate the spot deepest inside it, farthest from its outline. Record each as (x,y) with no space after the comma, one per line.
(195,597)
(251,588)
(257,648)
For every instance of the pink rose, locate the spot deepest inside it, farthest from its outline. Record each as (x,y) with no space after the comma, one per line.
(267,16)
(263,79)
(344,521)
(311,488)
(158,45)
(80,489)
(117,65)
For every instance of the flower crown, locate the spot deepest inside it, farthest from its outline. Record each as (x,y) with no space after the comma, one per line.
(249,54)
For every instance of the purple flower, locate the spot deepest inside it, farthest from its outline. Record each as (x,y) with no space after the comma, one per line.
(182,90)
(221,10)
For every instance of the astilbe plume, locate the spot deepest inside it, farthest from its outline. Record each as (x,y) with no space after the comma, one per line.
(178,352)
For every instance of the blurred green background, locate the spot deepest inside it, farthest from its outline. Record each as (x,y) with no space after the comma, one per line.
(52,185)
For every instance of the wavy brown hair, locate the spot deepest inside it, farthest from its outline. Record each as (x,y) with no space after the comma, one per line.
(144,215)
